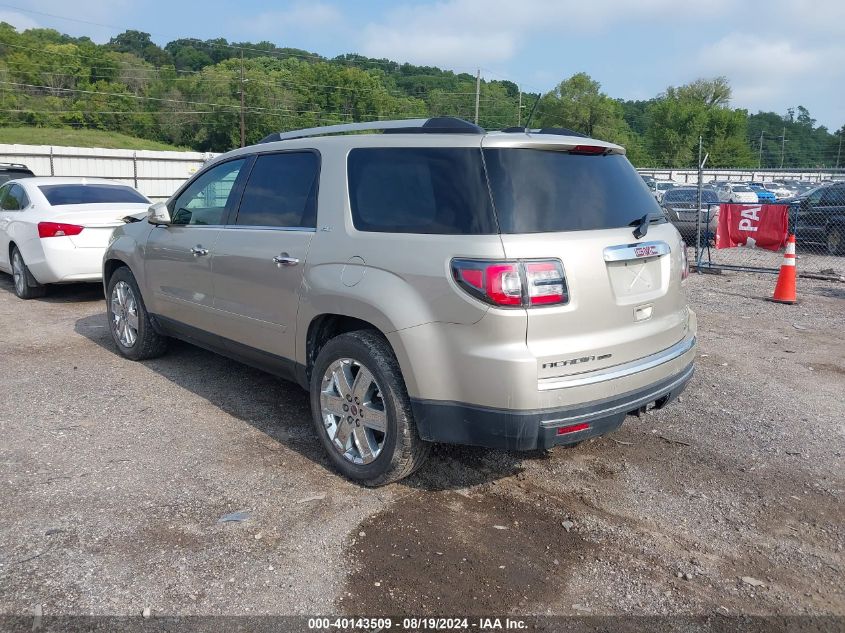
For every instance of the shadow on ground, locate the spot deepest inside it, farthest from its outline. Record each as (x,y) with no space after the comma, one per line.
(60,293)
(281,410)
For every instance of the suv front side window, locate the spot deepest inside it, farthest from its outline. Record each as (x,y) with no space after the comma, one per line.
(281,191)
(206,200)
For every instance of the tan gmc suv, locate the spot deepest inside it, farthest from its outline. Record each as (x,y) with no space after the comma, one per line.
(428,283)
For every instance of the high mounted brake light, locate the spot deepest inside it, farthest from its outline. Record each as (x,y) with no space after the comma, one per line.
(58,229)
(589,149)
(512,283)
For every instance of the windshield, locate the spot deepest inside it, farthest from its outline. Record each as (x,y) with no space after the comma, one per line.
(538,191)
(58,195)
(663,186)
(742,188)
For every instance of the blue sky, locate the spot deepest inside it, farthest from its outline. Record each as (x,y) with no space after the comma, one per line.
(777,54)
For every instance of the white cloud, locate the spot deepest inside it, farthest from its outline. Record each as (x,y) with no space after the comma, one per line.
(299,17)
(478,32)
(759,68)
(776,73)
(18,20)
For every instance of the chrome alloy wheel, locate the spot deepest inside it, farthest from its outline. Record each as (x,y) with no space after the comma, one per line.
(124,314)
(19,273)
(353,411)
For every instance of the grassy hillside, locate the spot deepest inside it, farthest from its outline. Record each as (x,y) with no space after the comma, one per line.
(68,137)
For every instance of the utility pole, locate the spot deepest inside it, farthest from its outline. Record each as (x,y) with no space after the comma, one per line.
(760,160)
(477,93)
(698,209)
(519,118)
(243,125)
(782,147)
(839,151)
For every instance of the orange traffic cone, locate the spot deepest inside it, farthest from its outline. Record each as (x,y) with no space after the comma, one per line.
(785,288)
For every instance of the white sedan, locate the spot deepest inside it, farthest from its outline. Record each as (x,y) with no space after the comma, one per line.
(55,230)
(734,192)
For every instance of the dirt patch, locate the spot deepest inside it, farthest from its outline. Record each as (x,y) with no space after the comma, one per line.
(447,553)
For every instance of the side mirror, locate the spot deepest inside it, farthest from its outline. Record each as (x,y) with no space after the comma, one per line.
(159,214)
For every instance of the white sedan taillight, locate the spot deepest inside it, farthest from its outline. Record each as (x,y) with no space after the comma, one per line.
(515,284)
(58,229)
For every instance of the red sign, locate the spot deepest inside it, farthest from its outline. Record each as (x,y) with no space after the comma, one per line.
(754,225)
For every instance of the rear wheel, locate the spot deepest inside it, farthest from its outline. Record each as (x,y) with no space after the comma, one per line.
(836,241)
(26,287)
(129,323)
(362,412)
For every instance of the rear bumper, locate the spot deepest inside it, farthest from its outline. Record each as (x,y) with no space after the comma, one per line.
(62,262)
(459,423)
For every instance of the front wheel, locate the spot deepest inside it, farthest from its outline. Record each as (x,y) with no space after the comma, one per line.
(26,287)
(362,412)
(836,241)
(129,323)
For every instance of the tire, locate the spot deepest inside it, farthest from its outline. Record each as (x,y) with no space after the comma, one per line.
(835,241)
(129,322)
(26,287)
(368,406)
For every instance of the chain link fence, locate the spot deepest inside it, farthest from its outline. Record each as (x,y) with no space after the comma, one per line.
(815,212)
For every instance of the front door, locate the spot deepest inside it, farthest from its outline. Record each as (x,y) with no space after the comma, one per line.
(178,256)
(259,258)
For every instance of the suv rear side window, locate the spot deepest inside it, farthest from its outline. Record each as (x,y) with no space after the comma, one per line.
(420,190)
(281,191)
(537,191)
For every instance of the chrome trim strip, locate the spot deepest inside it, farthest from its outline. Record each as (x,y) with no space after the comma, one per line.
(618,371)
(258,227)
(625,407)
(625,252)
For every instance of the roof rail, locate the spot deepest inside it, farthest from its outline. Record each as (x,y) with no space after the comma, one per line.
(560,131)
(13,165)
(434,125)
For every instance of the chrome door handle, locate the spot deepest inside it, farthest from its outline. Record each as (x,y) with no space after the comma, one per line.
(199,251)
(285,260)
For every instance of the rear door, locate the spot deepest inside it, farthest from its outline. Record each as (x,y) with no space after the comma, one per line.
(259,258)
(178,256)
(625,296)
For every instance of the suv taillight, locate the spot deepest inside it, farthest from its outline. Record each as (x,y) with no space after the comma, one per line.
(515,284)
(58,229)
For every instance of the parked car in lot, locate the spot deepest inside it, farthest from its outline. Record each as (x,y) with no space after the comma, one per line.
(818,216)
(661,187)
(763,194)
(54,230)
(14,171)
(780,190)
(433,283)
(681,207)
(735,192)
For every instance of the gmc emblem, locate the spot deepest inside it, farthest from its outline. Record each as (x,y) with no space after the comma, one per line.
(645,251)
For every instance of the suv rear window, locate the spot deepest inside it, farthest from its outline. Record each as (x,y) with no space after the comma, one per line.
(536,191)
(420,190)
(58,195)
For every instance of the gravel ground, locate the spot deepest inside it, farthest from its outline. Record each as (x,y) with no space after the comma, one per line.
(114,477)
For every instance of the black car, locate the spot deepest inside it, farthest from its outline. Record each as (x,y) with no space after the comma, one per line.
(13,171)
(818,216)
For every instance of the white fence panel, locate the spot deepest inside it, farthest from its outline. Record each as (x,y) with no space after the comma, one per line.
(155,174)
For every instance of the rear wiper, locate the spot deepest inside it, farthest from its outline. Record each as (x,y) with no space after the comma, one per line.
(640,226)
